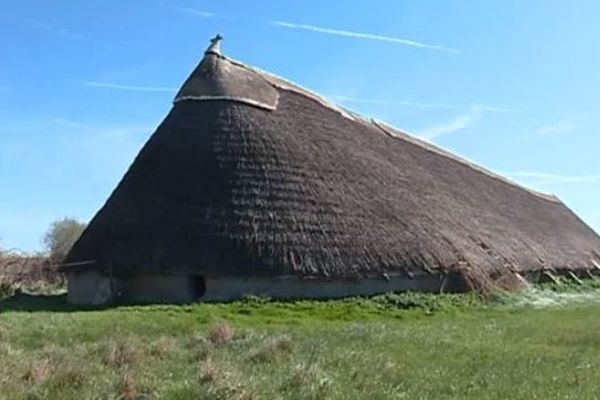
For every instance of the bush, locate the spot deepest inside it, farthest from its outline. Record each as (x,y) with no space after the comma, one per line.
(31,272)
(61,235)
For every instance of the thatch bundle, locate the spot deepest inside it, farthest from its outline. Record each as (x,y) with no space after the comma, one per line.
(250,175)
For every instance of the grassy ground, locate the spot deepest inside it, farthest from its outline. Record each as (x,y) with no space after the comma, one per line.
(397,346)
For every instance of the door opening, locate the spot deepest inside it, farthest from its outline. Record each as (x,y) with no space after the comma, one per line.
(198,286)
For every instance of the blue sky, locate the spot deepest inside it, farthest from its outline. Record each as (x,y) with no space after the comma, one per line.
(510,84)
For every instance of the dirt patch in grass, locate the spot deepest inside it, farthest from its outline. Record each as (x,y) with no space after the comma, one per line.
(221,333)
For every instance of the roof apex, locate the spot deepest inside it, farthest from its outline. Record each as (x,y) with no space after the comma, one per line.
(215,45)
(217,78)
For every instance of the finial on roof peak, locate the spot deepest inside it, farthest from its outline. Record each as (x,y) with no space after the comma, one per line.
(215,45)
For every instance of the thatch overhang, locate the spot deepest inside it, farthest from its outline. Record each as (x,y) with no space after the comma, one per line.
(252,175)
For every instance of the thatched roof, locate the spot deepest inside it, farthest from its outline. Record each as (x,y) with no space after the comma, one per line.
(250,174)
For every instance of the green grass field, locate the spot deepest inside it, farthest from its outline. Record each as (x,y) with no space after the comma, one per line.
(389,347)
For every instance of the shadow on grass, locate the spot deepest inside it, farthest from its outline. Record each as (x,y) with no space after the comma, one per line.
(428,302)
(30,302)
(40,302)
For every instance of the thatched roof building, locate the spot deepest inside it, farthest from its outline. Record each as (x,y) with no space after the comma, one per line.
(252,184)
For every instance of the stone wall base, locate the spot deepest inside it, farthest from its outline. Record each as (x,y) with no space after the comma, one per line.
(91,288)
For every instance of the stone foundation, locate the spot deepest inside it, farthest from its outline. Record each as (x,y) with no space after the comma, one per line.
(222,289)
(91,288)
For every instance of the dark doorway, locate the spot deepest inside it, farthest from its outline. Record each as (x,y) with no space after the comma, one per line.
(198,286)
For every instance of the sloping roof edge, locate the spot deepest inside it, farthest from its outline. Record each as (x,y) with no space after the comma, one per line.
(285,84)
(403,135)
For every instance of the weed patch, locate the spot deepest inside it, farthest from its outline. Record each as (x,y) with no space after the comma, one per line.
(221,333)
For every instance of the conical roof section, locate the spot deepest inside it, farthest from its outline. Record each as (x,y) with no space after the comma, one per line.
(216,78)
(250,174)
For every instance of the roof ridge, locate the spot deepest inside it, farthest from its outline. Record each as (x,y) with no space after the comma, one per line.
(385,127)
(286,84)
(403,135)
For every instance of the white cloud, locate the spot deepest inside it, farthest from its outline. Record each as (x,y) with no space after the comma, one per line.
(47,27)
(542,178)
(361,35)
(496,109)
(69,123)
(457,123)
(559,128)
(197,13)
(107,85)
(418,104)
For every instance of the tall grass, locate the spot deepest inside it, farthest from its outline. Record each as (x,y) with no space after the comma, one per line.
(393,346)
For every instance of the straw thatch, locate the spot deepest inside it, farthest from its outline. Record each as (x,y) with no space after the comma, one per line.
(251,175)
